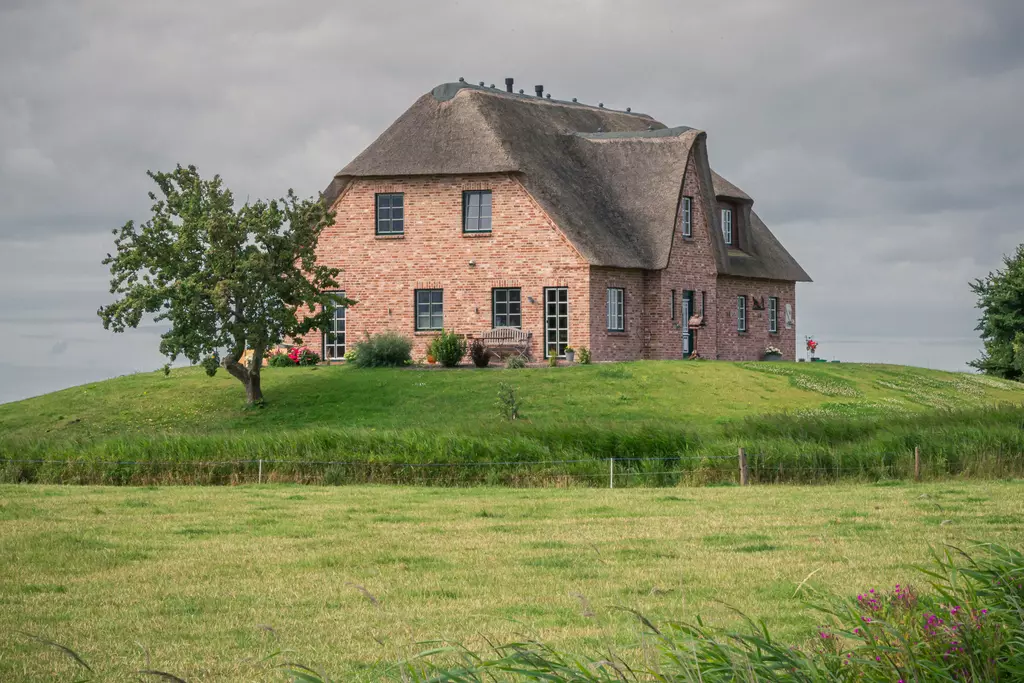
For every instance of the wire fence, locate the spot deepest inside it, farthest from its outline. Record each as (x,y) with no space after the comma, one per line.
(612,472)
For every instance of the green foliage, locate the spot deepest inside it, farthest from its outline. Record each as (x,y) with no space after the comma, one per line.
(1001,300)
(553,361)
(515,362)
(480,354)
(583,355)
(448,348)
(509,404)
(166,369)
(280,360)
(223,278)
(385,350)
(210,364)
(308,357)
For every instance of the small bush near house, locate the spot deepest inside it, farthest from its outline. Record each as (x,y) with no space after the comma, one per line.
(280,360)
(553,361)
(508,402)
(448,348)
(583,353)
(387,349)
(515,362)
(480,354)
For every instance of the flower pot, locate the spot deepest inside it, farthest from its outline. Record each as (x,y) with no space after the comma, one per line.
(431,360)
(773,356)
(570,355)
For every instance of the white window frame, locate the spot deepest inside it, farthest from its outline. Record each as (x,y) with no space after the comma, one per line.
(741,313)
(727,225)
(334,336)
(773,314)
(687,216)
(616,309)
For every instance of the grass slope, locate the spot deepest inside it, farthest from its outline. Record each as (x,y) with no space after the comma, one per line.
(190,573)
(852,415)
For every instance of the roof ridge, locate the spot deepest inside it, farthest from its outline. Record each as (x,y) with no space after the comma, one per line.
(447,91)
(675,131)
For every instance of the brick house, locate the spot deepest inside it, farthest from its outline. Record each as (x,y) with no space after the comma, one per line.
(585,226)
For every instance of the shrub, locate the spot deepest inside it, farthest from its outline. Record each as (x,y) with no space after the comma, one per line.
(448,348)
(350,356)
(508,402)
(515,362)
(166,369)
(480,354)
(387,349)
(280,360)
(302,355)
(583,355)
(553,360)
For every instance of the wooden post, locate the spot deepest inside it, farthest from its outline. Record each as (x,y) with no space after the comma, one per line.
(744,470)
(611,473)
(260,479)
(917,463)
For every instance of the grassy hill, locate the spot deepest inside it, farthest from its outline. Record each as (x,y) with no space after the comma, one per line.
(816,418)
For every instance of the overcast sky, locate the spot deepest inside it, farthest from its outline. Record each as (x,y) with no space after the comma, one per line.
(881,140)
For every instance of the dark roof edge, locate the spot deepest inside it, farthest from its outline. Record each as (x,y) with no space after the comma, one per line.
(627,134)
(447,91)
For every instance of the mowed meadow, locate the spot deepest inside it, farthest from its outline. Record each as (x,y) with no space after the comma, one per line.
(667,423)
(203,582)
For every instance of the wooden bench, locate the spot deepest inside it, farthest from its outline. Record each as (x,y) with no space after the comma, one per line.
(505,341)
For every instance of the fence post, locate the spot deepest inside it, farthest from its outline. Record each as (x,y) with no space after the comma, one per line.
(611,473)
(917,463)
(744,470)
(260,479)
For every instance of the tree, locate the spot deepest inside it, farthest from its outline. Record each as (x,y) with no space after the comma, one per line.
(225,279)
(1001,300)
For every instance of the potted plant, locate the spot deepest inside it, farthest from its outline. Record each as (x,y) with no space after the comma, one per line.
(812,346)
(570,353)
(772,353)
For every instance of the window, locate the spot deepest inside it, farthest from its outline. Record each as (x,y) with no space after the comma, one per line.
(334,335)
(506,307)
(429,309)
(727,226)
(556,321)
(773,314)
(476,211)
(689,338)
(672,303)
(687,222)
(616,309)
(391,213)
(741,314)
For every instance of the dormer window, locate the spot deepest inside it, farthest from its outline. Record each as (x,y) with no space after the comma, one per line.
(476,211)
(727,231)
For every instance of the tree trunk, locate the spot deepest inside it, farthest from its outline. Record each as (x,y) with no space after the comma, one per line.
(250,379)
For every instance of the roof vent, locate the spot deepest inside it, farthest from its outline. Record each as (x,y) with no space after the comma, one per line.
(492,86)
(520,91)
(574,99)
(627,108)
(508,84)
(461,79)
(481,84)
(601,104)
(540,90)
(548,96)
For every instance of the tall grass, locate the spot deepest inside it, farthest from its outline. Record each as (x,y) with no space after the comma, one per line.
(795,448)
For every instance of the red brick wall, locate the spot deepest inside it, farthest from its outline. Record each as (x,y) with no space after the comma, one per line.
(523,250)
(750,345)
(691,267)
(607,345)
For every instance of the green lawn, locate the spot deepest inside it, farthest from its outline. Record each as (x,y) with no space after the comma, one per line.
(190,574)
(853,416)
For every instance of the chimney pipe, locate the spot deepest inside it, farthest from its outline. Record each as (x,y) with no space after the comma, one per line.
(540,90)
(508,84)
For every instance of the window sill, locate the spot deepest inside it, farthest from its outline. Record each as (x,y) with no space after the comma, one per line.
(389,237)
(617,333)
(477,234)
(426,333)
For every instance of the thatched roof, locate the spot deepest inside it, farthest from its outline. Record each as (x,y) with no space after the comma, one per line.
(611,180)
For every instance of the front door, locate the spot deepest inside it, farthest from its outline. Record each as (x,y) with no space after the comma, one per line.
(687,332)
(556,321)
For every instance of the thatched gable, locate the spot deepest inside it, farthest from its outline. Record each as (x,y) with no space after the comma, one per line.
(610,180)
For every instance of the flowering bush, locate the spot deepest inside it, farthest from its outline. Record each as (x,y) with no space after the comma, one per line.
(812,346)
(772,351)
(302,355)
